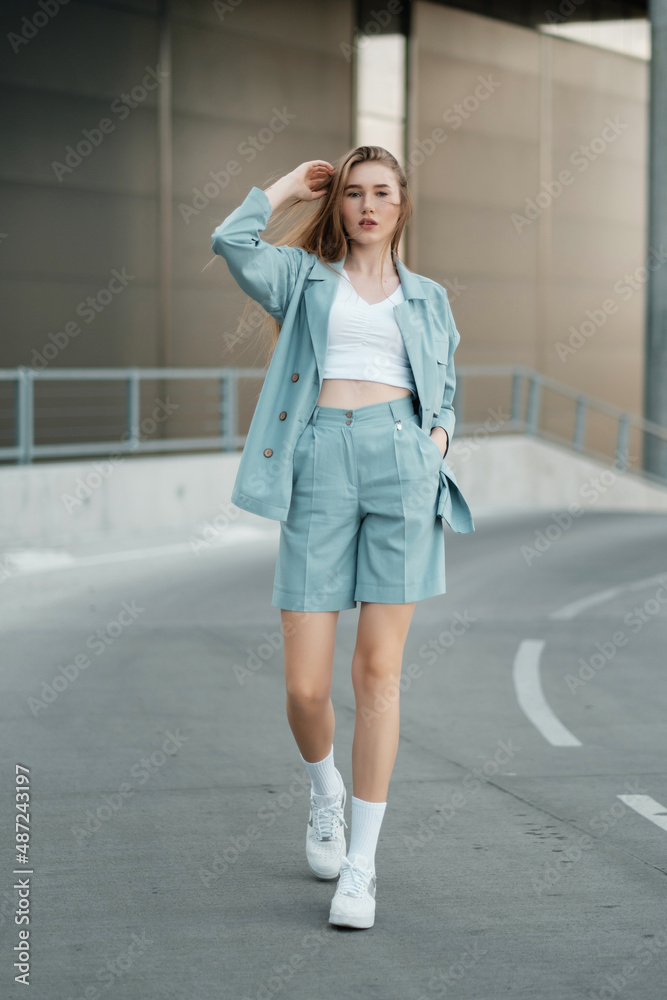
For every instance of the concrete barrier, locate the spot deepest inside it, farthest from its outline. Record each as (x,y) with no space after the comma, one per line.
(57,503)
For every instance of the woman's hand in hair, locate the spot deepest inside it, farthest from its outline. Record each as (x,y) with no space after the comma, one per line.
(312,179)
(307,182)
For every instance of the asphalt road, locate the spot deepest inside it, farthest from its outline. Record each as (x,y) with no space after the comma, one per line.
(142,691)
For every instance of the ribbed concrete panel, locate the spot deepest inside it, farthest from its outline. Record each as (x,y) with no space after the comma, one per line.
(517,287)
(67,234)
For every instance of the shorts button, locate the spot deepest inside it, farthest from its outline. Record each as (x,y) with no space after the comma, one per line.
(268,452)
(348,421)
(349,413)
(295,377)
(283,415)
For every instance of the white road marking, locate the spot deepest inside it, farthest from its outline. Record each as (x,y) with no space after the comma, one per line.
(528,687)
(568,611)
(647,807)
(36,560)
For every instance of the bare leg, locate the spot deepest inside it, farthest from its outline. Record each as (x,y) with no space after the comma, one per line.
(309,650)
(376,672)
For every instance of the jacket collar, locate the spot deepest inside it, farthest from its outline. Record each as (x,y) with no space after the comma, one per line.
(410,282)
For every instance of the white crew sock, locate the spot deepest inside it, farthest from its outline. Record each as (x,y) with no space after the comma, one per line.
(365,829)
(323,775)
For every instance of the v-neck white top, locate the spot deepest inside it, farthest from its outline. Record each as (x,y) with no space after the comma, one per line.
(365,341)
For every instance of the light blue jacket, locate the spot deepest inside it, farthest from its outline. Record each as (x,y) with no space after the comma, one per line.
(298,290)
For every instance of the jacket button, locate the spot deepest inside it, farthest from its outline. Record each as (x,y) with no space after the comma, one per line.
(295,377)
(268,452)
(283,415)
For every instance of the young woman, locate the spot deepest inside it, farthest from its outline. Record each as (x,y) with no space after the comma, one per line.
(346,449)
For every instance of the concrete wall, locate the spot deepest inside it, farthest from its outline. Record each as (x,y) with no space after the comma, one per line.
(516,294)
(66,234)
(65,503)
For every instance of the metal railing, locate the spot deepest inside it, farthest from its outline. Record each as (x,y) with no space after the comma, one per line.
(27,420)
(128,408)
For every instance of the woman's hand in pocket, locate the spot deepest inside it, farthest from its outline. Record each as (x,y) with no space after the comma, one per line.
(441,438)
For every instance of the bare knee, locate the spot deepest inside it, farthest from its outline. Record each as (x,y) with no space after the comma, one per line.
(373,673)
(306,697)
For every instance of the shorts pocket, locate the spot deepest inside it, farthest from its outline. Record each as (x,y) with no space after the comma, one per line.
(430,444)
(302,446)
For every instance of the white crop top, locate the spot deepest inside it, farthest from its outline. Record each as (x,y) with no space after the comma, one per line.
(365,341)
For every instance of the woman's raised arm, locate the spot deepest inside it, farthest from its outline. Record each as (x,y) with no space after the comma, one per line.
(265,272)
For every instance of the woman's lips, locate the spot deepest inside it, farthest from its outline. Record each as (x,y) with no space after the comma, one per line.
(368,225)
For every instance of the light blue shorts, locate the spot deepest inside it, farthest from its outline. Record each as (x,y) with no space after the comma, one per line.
(362,523)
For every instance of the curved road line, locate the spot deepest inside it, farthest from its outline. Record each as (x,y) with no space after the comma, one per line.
(528,687)
(568,611)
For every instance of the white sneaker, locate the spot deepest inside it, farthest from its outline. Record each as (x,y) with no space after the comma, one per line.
(325,836)
(354,902)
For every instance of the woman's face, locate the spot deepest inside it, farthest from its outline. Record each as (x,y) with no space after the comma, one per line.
(371,195)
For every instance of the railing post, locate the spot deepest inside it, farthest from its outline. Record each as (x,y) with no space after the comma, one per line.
(579,423)
(24,414)
(533,414)
(623,440)
(228,409)
(132,408)
(516,396)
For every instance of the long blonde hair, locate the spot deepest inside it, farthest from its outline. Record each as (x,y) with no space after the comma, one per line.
(321,231)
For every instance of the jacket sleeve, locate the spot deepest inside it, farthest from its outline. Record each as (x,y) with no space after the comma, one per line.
(268,274)
(447,418)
